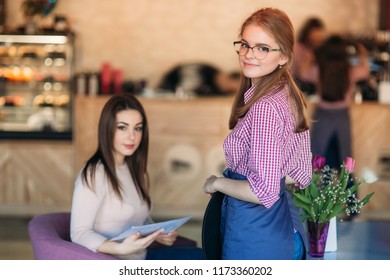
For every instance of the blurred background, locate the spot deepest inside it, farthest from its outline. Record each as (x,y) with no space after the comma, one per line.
(61,60)
(146,38)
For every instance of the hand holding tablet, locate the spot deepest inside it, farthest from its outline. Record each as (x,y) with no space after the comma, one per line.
(167,227)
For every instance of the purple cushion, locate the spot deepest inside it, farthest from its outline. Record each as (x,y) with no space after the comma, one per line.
(50,239)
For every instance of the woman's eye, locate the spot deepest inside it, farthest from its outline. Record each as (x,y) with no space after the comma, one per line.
(139,128)
(262,49)
(245,46)
(122,127)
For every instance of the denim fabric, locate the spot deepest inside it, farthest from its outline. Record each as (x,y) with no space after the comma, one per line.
(299,249)
(252,231)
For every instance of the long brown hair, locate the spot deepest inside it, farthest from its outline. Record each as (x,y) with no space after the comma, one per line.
(278,25)
(333,61)
(137,163)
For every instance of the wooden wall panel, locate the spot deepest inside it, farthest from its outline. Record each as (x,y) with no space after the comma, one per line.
(371,143)
(35,176)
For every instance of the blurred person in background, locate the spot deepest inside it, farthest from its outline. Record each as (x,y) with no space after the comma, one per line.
(335,76)
(310,36)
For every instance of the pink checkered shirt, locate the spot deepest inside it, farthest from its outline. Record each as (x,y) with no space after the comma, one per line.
(264,147)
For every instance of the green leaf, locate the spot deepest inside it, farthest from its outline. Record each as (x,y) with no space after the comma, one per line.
(313,191)
(342,172)
(301,197)
(367,198)
(344,178)
(304,206)
(354,188)
(306,192)
(315,177)
(337,210)
(323,217)
(329,204)
(304,217)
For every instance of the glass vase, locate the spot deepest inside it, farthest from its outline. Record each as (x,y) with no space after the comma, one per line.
(317,235)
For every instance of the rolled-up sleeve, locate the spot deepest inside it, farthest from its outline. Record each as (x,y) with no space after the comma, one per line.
(302,173)
(265,154)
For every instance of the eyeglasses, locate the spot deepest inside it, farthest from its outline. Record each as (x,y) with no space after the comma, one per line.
(259,51)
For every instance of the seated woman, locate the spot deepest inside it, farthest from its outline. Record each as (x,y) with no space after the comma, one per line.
(111,192)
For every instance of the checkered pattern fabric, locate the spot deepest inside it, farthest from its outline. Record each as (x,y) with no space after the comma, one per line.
(264,147)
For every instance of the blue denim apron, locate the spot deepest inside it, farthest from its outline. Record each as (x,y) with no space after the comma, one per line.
(253,232)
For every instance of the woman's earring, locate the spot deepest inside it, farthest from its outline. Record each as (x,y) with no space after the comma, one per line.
(280,66)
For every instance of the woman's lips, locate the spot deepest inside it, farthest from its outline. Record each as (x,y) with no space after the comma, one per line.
(130,146)
(249,64)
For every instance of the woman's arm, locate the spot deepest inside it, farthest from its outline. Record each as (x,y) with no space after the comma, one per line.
(362,70)
(85,206)
(236,188)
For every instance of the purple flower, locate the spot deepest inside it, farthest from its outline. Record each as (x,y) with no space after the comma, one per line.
(349,164)
(318,162)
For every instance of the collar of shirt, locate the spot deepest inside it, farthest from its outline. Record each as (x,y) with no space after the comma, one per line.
(249,93)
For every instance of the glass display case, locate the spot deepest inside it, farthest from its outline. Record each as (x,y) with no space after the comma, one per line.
(36,73)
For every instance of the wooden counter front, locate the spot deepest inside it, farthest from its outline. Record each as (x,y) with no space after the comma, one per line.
(36,176)
(186,140)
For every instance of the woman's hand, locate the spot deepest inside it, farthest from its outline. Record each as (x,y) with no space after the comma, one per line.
(135,243)
(167,239)
(209,186)
(132,244)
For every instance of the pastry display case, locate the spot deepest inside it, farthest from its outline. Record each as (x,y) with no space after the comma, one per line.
(35,86)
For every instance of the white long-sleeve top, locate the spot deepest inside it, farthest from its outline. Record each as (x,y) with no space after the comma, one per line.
(98,215)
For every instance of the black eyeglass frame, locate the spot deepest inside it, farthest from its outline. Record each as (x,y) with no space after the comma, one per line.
(249,47)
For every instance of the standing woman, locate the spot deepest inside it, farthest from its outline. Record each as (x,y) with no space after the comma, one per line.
(112,193)
(269,140)
(335,77)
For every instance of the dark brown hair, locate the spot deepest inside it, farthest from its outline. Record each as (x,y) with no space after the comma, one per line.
(333,63)
(278,25)
(137,163)
(310,25)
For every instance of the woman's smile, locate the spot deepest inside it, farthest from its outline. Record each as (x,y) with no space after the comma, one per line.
(248,64)
(129,146)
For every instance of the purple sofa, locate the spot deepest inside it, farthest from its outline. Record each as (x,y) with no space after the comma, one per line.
(50,239)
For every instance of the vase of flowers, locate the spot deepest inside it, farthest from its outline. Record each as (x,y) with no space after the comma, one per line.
(330,193)
(317,235)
